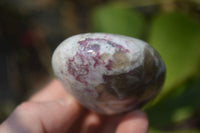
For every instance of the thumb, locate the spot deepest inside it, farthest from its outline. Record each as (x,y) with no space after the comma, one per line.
(56,116)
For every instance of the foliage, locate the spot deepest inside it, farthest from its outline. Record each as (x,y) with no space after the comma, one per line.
(118,20)
(176,36)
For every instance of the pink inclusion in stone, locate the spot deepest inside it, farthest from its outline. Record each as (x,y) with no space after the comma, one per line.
(79,71)
(108,66)
(97,59)
(88,54)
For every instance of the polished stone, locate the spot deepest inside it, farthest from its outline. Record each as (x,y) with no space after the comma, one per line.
(109,73)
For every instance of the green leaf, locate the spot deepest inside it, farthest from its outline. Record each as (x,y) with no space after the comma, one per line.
(182,114)
(177,38)
(176,131)
(178,106)
(118,20)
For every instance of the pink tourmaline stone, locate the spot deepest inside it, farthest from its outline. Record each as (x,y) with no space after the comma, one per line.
(109,73)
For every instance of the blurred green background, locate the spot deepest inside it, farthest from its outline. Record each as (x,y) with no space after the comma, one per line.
(31,29)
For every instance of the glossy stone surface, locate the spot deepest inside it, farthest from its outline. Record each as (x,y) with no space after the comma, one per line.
(109,73)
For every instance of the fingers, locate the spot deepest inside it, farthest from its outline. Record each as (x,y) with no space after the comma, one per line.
(135,122)
(88,122)
(54,90)
(19,121)
(91,124)
(59,116)
(110,123)
(44,113)
(50,110)
(62,112)
(40,117)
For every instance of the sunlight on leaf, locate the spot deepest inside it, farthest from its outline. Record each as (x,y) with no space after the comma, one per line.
(177,38)
(181,114)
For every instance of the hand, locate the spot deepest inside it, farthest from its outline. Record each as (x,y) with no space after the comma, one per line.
(52,110)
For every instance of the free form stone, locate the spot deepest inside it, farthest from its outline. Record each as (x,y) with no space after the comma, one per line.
(109,73)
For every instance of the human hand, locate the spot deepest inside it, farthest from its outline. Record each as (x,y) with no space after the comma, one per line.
(52,110)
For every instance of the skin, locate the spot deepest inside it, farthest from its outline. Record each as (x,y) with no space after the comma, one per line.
(52,110)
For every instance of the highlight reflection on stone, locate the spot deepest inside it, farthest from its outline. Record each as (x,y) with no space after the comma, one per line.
(109,73)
